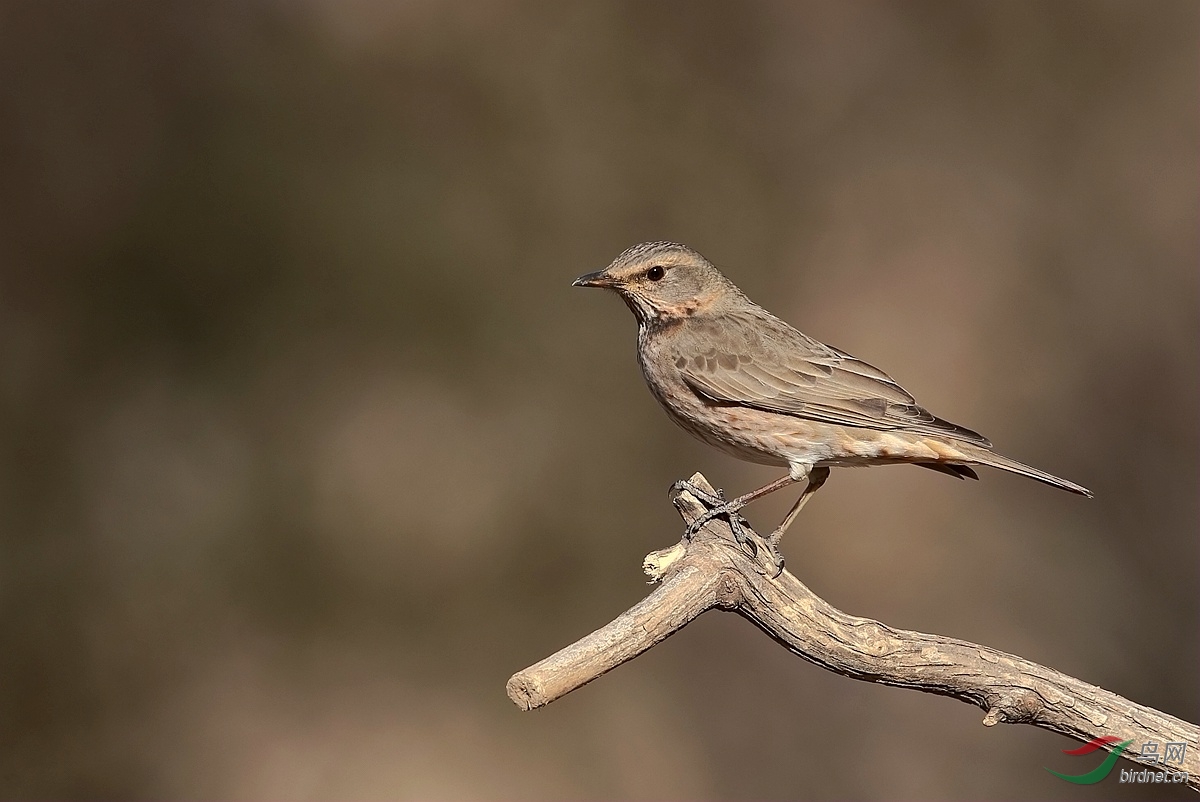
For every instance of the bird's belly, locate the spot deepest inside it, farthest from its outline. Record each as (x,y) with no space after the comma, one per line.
(738,434)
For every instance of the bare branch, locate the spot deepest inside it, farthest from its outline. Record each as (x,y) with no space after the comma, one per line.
(712,571)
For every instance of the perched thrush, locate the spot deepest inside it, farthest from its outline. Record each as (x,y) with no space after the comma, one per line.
(740,379)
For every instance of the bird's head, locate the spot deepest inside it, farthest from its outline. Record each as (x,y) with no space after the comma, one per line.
(663,281)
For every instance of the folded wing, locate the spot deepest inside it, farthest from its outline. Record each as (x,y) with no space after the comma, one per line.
(756,360)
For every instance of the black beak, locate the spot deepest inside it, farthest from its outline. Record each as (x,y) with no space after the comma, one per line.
(597,279)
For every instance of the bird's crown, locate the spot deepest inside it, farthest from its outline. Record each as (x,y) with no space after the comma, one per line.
(653,250)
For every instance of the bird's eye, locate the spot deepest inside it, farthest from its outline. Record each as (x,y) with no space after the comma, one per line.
(656,273)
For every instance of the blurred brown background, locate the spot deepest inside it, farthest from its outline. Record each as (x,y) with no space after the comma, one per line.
(309,444)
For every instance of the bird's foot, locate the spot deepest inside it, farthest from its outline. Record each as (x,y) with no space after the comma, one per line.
(718,507)
(776,557)
(748,542)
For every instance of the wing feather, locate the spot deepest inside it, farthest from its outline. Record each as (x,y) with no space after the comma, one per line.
(754,359)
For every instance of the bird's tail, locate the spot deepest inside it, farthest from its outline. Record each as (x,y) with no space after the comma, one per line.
(985,457)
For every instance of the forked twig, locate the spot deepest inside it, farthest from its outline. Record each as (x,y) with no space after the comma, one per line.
(712,571)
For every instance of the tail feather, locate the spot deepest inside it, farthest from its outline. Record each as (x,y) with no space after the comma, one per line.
(951,469)
(984,457)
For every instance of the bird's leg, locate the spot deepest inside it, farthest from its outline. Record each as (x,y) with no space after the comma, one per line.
(816,478)
(731,508)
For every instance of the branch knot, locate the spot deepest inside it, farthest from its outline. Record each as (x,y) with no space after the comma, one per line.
(1022,707)
(729,590)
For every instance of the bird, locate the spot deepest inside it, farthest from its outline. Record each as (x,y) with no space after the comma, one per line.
(739,378)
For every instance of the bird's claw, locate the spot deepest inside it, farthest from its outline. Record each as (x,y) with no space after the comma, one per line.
(748,543)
